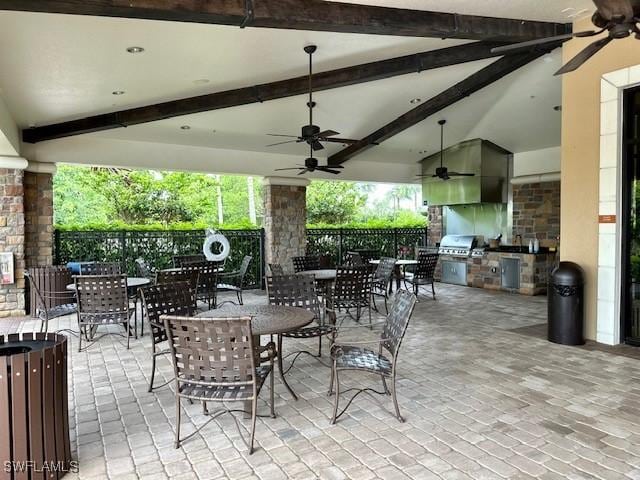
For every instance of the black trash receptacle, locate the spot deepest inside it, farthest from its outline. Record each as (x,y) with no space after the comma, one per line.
(566,305)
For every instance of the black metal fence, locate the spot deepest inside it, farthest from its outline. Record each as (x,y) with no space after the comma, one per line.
(159,247)
(390,242)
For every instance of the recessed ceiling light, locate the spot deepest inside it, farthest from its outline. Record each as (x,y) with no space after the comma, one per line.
(201,81)
(135,49)
(118,92)
(415,100)
(185,127)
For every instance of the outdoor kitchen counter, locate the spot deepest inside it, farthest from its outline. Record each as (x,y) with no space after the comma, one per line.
(485,271)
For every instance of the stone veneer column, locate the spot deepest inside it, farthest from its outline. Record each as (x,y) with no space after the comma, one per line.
(536,211)
(12,232)
(435,229)
(38,211)
(285,218)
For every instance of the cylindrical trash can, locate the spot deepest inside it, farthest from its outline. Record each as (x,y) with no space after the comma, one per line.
(34,419)
(566,305)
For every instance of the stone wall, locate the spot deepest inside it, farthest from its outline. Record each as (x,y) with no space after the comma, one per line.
(435,225)
(12,239)
(285,216)
(38,216)
(536,212)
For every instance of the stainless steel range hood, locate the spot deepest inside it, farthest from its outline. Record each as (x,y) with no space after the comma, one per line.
(488,161)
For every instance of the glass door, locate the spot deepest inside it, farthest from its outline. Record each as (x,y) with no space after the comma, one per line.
(631,218)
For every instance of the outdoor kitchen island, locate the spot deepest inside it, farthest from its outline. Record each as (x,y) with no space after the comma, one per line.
(500,269)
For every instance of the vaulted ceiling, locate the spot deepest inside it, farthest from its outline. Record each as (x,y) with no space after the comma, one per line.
(56,67)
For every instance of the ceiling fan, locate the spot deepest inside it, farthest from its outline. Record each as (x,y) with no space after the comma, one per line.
(443,172)
(311,165)
(311,133)
(618,17)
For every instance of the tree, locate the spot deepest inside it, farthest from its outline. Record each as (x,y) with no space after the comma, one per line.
(333,202)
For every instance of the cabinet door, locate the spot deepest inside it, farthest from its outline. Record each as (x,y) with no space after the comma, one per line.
(510,273)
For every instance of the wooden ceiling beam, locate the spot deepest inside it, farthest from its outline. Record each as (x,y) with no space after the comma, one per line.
(451,95)
(269,91)
(317,15)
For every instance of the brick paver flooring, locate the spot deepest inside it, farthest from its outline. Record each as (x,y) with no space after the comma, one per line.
(480,402)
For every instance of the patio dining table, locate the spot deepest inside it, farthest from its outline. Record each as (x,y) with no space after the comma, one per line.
(398,270)
(132,282)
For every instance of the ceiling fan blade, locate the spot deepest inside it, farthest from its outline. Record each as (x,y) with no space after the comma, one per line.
(583,56)
(316,145)
(304,170)
(349,141)
(540,41)
(279,135)
(456,174)
(327,133)
(610,8)
(282,143)
(329,170)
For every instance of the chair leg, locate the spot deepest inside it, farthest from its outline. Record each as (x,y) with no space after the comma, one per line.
(333,373)
(433,289)
(128,326)
(386,307)
(384,385)
(177,440)
(272,387)
(395,399)
(335,402)
(80,338)
(153,364)
(254,414)
(281,368)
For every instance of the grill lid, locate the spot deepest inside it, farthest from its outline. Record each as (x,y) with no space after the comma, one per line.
(466,242)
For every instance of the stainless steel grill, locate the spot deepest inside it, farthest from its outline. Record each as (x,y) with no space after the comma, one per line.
(457,245)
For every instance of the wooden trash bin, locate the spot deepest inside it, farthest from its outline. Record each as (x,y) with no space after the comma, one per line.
(34,416)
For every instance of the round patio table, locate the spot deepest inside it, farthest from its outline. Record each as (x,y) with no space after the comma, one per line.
(397,274)
(266,320)
(322,275)
(132,282)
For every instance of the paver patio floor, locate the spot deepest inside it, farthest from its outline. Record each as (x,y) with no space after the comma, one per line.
(480,402)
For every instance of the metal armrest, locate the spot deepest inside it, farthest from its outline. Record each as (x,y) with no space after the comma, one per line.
(336,348)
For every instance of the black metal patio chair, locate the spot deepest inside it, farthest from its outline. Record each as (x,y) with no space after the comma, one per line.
(207,290)
(298,291)
(306,262)
(165,299)
(424,273)
(348,355)
(180,261)
(382,279)
(351,291)
(102,301)
(234,281)
(49,296)
(100,268)
(214,361)
(276,269)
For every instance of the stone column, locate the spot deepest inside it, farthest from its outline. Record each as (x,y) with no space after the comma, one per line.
(38,210)
(285,217)
(12,233)
(435,230)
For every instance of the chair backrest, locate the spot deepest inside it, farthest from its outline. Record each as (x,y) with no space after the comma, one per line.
(398,320)
(244,266)
(212,350)
(352,283)
(307,262)
(100,268)
(427,263)
(102,295)
(367,255)
(207,275)
(143,268)
(167,299)
(294,291)
(353,259)
(276,269)
(384,271)
(47,287)
(178,275)
(182,260)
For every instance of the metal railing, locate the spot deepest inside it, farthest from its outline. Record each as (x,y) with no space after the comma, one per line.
(159,247)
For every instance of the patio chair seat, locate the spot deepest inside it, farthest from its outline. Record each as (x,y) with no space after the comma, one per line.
(310,332)
(106,318)
(226,287)
(410,277)
(358,358)
(226,392)
(59,311)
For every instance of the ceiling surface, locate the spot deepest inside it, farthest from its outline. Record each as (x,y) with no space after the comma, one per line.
(59,67)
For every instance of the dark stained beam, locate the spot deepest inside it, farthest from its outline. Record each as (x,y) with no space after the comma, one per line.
(269,91)
(318,15)
(451,95)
